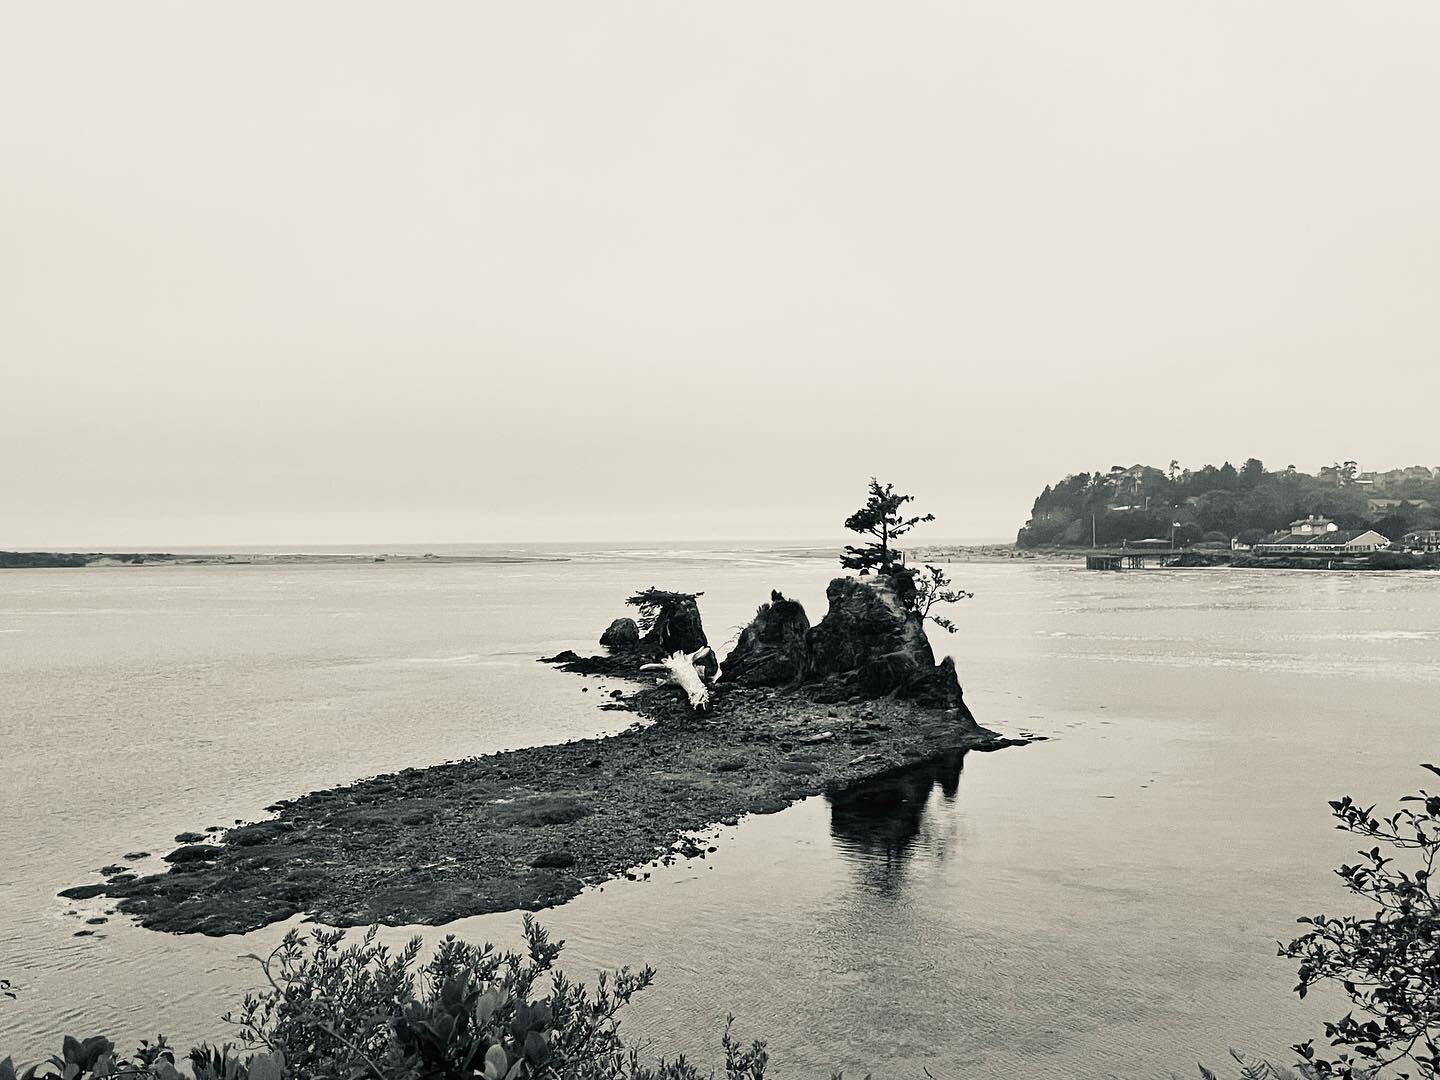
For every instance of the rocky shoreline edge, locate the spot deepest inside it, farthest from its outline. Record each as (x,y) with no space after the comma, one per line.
(529,829)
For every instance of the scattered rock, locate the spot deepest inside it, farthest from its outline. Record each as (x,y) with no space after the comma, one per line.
(260,832)
(622,635)
(113,868)
(622,664)
(191,853)
(82,892)
(135,856)
(862,759)
(189,837)
(801,768)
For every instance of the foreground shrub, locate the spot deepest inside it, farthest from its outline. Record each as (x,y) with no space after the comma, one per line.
(362,1011)
(1388,963)
(334,1011)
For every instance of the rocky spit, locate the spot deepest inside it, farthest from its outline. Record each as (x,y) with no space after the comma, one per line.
(799,710)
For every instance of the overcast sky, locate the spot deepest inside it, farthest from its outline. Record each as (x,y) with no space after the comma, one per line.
(326,272)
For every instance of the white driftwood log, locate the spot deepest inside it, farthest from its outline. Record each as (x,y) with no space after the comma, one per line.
(691,673)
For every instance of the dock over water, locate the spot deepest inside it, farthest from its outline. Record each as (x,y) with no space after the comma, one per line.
(1130,558)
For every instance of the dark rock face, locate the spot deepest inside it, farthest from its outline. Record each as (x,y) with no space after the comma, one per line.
(940,688)
(622,635)
(772,650)
(677,628)
(868,621)
(871,643)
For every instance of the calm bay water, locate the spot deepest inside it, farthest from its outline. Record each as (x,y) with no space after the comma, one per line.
(1104,903)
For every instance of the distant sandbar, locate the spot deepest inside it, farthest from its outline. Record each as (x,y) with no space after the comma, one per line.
(30,560)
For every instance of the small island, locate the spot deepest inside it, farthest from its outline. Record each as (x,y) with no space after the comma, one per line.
(794,710)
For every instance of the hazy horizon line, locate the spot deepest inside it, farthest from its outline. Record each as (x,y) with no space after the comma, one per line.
(369,546)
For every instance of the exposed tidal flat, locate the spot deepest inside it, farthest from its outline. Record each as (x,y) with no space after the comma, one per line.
(1104,902)
(528,829)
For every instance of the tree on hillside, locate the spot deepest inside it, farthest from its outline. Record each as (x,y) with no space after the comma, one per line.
(881,518)
(1342,472)
(1218,511)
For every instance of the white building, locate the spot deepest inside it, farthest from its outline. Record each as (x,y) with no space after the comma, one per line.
(1423,540)
(1326,540)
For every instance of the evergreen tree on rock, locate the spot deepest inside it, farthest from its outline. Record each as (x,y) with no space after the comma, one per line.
(881,517)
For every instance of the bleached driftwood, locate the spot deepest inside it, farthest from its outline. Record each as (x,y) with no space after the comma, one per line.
(692,673)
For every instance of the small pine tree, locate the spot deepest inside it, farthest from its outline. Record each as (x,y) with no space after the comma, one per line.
(933,587)
(881,518)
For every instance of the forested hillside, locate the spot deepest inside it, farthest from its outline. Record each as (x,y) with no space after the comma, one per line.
(1217,503)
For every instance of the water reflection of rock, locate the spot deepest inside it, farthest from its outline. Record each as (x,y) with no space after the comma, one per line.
(879,823)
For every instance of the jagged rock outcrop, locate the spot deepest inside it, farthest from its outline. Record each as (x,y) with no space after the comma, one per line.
(868,622)
(870,643)
(677,628)
(772,650)
(622,635)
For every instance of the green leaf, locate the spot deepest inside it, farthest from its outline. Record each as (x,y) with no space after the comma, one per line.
(265,1067)
(486,1006)
(496,1063)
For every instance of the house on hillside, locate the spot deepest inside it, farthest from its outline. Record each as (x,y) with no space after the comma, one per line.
(1423,540)
(1313,525)
(1412,474)
(1380,507)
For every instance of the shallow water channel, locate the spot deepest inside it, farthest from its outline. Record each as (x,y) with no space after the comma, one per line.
(1103,903)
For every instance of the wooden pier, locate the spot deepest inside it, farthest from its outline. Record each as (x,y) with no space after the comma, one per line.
(1130,558)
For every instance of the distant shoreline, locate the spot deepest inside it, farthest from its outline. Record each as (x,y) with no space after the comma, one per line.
(31,560)
(40,560)
(1201,558)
